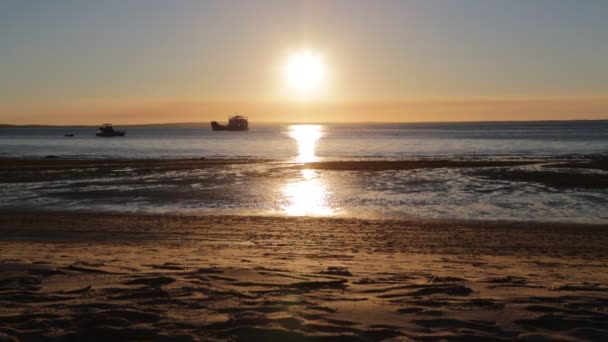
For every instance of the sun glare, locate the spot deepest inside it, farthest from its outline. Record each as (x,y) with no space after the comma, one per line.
(308,195)
(306,137)
(305,74)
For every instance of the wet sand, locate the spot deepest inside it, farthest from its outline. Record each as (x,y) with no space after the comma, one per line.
(374,165)
(17,170)
(14,170)
(88,276)
(555,179)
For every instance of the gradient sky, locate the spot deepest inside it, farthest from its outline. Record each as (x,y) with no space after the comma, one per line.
(129,61)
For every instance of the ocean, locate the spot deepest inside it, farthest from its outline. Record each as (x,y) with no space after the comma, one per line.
(336,141)
(273,184)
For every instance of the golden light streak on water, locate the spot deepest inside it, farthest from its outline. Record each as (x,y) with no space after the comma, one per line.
(307,196)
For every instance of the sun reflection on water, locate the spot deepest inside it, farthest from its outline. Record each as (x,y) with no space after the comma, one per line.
(306,137)
(308,196)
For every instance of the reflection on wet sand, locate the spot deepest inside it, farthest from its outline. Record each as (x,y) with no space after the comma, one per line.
(309,195)
(543,189)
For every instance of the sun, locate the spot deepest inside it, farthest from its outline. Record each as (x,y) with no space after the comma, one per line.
(305,74)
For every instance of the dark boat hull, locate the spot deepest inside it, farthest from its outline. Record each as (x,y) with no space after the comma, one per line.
(113,134)
(217,127)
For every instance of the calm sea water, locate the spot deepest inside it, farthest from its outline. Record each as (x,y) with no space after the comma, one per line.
(277,188)
(336,141)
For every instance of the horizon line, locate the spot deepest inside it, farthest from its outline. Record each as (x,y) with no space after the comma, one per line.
(304,123)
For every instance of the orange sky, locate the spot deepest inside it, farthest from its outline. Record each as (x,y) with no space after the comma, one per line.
(141,111)
(128,62)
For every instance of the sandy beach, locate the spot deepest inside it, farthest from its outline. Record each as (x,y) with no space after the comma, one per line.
(99,276)
(284,171)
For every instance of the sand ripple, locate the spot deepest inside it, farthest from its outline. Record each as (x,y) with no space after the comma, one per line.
(272,279)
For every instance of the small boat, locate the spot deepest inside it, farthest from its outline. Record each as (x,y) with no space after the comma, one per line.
(235,123)
(68,135)
(106,130)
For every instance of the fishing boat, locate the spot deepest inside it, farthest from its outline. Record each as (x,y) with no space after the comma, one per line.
(106,130)
(235,123)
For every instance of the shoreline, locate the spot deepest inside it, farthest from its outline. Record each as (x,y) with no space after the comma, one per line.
(430,223)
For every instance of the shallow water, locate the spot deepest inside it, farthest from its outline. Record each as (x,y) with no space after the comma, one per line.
(276,187)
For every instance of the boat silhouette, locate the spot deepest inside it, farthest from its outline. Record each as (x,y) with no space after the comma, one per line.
(106,130)
(235,123)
